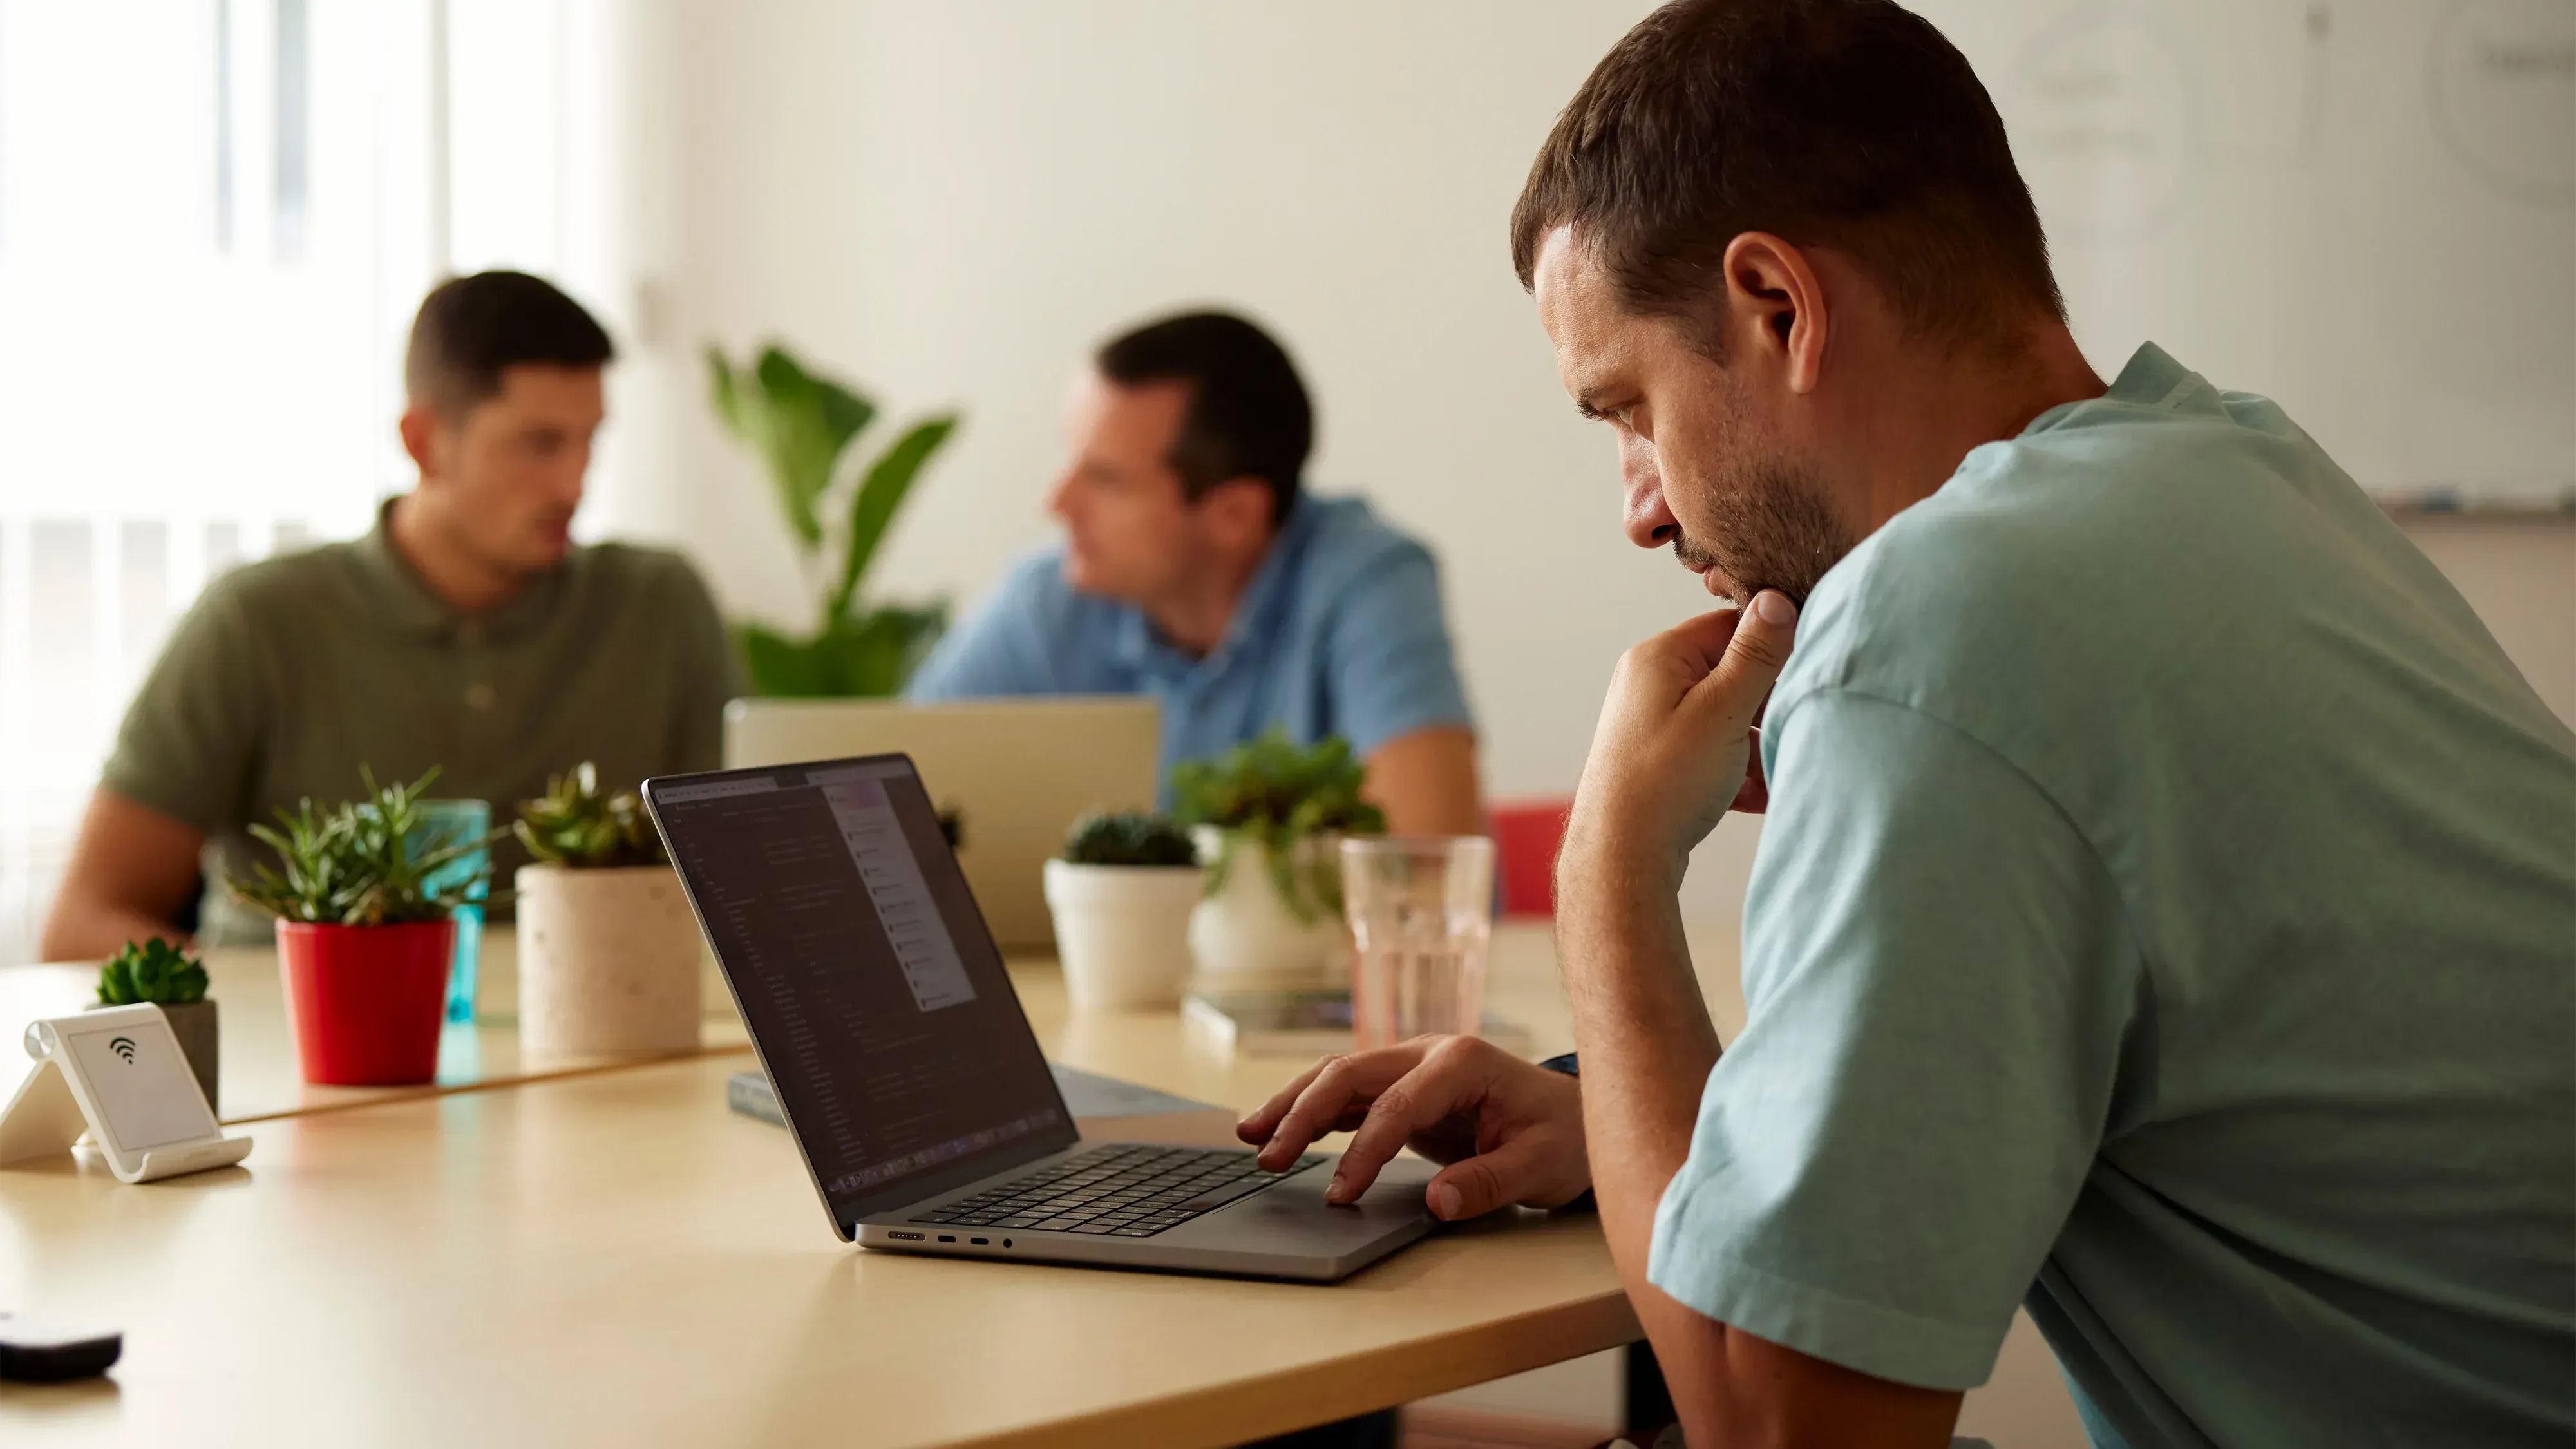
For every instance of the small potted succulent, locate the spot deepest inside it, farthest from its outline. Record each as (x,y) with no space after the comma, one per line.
(1268,818)
(608,952)
(366,930)
(159,972)
(1121,895)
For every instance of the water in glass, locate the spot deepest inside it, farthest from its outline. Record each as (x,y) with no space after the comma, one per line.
(1421,911)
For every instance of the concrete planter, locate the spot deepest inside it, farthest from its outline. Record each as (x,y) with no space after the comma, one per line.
(199,1030)
(608,961)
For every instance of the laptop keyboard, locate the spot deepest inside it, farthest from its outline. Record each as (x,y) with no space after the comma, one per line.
(1116,1191)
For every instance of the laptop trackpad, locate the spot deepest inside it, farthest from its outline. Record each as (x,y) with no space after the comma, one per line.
(1295,1216)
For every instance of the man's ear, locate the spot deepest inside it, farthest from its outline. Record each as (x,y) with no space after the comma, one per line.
(1238,511)
(1775,308)
(419,428)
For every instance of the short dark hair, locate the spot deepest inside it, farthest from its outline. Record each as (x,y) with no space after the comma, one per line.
(1248,412)
(1846,123)
(470,328)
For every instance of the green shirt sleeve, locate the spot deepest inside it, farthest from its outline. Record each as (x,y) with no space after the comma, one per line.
(711,677)
(191,739)
(1938,977)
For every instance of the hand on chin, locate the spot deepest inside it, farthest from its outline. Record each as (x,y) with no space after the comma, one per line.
(1674,748)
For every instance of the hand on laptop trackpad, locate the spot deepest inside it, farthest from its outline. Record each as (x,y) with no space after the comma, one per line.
(1396,1196)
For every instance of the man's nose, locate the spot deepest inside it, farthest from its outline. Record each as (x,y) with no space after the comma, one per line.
(1060,498)
(1650,523)
(570,483)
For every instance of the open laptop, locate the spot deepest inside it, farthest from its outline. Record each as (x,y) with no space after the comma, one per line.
(909,1074)
(1018,772)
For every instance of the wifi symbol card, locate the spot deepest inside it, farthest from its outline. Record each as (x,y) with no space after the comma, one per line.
(142,1086)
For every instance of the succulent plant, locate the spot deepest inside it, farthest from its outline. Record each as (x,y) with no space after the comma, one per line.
(1132,837)
(361,863)
(575,825)
(152,970)
(1277,792)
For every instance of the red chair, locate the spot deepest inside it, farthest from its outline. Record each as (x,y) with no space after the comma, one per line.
(1526,836)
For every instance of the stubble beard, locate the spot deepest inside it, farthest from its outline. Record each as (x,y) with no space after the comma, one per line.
(1771,529)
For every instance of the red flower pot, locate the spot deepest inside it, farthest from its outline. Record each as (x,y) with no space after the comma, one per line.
(365,1003)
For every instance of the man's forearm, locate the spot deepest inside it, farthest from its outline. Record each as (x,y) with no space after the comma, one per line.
(1642,1027)
(1648,1045)
(1426,782)
(131,867)
(80,931)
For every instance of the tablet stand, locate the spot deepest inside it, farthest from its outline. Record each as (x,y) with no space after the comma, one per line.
(57,1103)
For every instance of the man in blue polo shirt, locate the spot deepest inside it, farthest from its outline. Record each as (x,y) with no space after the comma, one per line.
(1196,569)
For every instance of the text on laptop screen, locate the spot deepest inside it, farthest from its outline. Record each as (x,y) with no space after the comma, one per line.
(879,1002)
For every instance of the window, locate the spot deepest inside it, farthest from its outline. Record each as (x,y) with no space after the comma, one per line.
(216,218)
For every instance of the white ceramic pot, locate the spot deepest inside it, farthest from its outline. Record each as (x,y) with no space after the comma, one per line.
(1123,931)
(1243,934)
(608,960)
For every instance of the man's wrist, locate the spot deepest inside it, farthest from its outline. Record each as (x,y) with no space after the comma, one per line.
(1603,854)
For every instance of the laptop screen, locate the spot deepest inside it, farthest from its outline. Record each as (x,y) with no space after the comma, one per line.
(878,1001)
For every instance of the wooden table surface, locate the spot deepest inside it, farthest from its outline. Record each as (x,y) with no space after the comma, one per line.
(612,1257)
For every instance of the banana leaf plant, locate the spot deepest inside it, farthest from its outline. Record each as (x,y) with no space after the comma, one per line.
(803,425)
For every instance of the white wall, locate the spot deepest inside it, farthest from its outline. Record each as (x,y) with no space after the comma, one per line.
(954,203)
(2520,575)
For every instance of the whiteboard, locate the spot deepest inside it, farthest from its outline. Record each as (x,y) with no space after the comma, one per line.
(2364,209)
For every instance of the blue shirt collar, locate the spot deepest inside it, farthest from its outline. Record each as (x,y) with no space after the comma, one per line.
(1256,615)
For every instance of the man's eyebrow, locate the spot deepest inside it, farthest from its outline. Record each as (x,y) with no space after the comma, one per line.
(1583,404)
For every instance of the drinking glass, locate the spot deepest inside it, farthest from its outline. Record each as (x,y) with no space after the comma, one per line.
(456,822)
(1421,910)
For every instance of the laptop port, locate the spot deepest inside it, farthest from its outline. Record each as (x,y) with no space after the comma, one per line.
(947,1238)
(907,1237)
(980,1242)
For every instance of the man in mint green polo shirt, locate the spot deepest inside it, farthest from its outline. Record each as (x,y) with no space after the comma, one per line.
(2166,916)
(466,631)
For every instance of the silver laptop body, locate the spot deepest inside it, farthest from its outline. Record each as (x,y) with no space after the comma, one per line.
(909,1075)
(1018,773)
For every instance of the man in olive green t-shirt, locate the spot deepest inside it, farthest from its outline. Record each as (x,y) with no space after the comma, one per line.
(466,631)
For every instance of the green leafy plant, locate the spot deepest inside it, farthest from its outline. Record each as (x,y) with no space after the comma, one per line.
(1132,837)
(802,425)
(361,863)
(575,825)
(152,970)
(1277,793)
